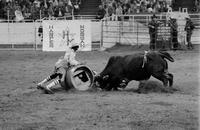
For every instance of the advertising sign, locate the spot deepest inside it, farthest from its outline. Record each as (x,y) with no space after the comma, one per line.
(60,35)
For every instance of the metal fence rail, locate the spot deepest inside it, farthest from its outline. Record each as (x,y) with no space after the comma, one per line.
(25,36)
(133,30)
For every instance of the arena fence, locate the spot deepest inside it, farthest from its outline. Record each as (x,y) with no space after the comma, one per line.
(128,29)
(133,30)
(18,35)
(25,35)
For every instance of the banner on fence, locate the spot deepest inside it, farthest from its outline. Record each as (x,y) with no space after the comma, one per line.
(59,35)
(163,33)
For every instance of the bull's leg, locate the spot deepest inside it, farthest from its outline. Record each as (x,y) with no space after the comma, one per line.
(108,87)
(115,83)
(170,78)
(115,88)
(162,77)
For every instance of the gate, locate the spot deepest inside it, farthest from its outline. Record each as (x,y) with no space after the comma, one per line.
(129,30)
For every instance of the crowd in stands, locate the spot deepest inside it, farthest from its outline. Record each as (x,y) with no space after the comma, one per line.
(35,9)
(129,7)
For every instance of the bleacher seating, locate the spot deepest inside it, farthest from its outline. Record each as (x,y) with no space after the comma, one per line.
(36,9)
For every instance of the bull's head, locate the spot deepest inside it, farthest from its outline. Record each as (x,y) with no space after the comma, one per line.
(101,81)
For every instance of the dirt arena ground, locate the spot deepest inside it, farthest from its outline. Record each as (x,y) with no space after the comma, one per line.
(23,107)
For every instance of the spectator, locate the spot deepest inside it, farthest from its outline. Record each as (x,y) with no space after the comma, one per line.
(34,12)
(100,13)
(189,27)
(143,7)
(51,10)
(1,10)
(138,6)
(67,10)
(157,7)
(55,3)
(119,13)
(174,32)
(77,6)
(61,3)
(126,7)
(125,10)
(149,8)
(133,8)
(44,11)
(37,3)
(18,15)
(153,27)
(198,7)
(25,11)
(59,12)
(7,9)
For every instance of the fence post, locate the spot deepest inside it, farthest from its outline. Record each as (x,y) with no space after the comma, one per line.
(8,16)
(120,29)
(40,14)
(137,34)
(35,35)
(101,40)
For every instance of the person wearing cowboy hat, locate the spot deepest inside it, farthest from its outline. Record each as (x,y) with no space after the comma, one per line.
(189,27)
(63,63)
(153,27)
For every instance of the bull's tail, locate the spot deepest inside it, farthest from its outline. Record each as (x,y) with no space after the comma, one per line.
(166,55)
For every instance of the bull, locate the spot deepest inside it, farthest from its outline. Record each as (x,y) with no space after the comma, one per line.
(120,70)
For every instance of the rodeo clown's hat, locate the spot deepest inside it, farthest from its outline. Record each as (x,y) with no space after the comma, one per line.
(74,46)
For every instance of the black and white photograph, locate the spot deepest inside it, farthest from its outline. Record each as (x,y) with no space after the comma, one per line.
(99,64)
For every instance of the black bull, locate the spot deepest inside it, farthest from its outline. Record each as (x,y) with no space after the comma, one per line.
(139,67)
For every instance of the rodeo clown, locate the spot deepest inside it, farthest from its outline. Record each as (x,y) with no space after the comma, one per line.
(61,66)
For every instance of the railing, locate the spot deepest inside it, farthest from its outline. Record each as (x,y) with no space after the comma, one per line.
(133,30)
(25,36)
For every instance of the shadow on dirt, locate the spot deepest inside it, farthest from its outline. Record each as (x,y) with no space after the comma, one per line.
(152,87)
(149,87)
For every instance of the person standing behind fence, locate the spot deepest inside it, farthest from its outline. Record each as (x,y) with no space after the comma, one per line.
(189,27)
(174,32)
(153,27)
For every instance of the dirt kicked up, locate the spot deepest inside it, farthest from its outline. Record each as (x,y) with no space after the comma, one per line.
(23,107)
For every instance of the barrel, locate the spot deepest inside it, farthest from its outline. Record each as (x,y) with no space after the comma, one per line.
(79,77)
